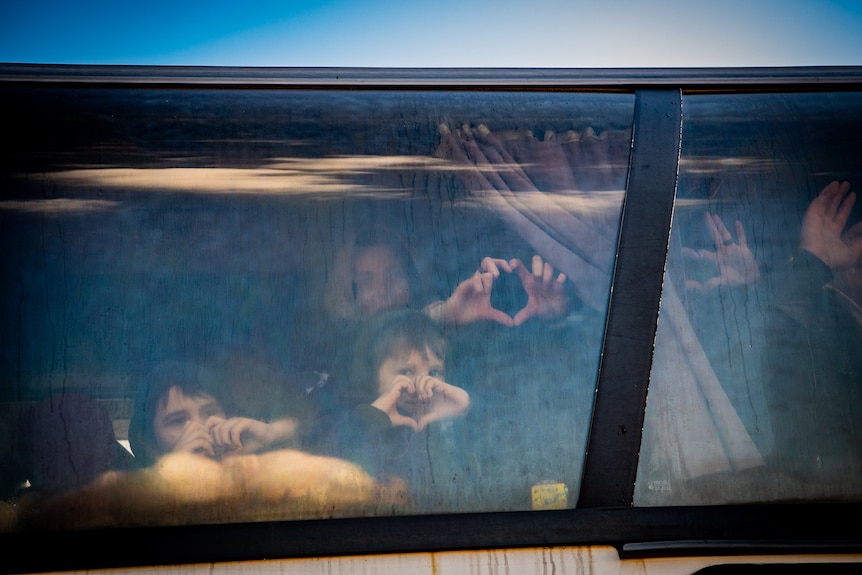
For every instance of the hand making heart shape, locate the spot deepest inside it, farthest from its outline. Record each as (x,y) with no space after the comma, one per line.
(491,294)
(416,403)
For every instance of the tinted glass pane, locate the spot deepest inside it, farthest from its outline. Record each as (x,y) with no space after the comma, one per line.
(754,394)
(202,276)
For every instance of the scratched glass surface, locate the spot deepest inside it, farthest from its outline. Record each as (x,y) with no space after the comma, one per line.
(218,243)
(754,394)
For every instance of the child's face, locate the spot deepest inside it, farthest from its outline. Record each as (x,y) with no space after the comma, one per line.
(177,411)
(381,280)
(412,364)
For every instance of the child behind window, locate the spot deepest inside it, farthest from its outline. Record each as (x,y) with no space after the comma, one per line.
(183,408)
(403,410)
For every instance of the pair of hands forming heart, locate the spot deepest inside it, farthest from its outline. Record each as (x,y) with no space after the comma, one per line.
(474,299)
(416,403)
(219,437)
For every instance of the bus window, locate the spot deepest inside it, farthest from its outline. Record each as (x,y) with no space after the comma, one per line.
(228,245)
(754,393)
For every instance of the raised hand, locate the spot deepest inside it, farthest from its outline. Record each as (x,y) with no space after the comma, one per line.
(823,228)
(238,435)
(389,401)
(546,294)
(196,438)
(439,400)
(732,261)
(416,403)
(471,300)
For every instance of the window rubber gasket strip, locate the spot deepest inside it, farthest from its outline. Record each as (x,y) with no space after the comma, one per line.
(611,461)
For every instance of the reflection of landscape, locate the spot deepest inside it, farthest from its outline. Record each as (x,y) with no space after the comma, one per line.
(140,230)
(292,177)
(230,231)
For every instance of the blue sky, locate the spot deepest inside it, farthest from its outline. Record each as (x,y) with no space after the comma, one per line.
(443,33)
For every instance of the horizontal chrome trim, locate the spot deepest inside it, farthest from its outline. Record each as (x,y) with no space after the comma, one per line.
(519,78)
(736,547)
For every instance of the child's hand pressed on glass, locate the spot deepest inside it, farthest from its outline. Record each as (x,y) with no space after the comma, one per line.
(222,437)
(196,438)
(416,403)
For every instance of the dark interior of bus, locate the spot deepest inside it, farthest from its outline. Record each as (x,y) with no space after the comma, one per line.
(142,223)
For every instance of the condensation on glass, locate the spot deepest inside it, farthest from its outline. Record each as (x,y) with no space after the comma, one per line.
(755,389)
(217,232)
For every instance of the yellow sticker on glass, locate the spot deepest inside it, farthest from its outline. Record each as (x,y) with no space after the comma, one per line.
(550,496)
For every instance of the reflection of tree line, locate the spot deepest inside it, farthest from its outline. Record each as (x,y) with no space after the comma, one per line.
(530,184)
(216,431)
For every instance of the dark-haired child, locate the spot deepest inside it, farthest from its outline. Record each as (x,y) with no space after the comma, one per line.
(403,410)
(182,407)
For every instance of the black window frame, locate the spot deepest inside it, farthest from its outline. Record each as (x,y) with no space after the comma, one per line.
(605,514)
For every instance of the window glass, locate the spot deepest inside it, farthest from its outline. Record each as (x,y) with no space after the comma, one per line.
(754,394)
(230,305)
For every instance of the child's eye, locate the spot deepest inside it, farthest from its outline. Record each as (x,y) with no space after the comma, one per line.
(437,374)
(176,421)
(405,371)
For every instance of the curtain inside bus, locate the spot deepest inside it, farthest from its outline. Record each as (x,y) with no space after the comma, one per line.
(217,238)
(757,307)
